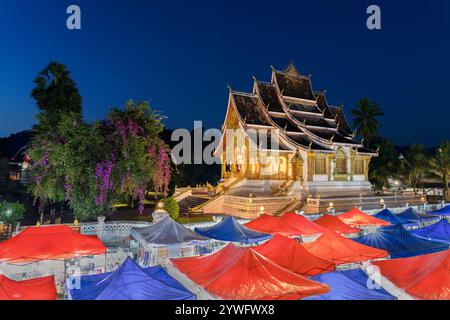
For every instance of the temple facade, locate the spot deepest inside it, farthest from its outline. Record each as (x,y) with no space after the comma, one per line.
(285,133)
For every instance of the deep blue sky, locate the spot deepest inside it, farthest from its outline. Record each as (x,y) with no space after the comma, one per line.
(180,55)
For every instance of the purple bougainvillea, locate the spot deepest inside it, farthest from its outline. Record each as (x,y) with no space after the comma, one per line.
(103,181)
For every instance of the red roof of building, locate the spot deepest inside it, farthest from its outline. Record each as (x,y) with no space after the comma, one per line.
(32,289)
(424,277)
(357,218)
(241,273)
(335,224)
(291,255)
(49,243)
(340,250)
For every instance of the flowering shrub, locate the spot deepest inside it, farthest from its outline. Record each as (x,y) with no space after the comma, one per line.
(171,206)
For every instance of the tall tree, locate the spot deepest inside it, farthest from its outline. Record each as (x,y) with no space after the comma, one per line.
(416,165)
(385,166)
(57,97)
(365,120)
(55,93)
(440,165)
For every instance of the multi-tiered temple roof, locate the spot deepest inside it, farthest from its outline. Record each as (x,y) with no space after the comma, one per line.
(301,117)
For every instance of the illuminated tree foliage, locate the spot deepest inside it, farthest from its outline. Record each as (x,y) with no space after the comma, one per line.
(93,166)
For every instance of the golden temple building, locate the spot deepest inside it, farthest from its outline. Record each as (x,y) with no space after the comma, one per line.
(284,130)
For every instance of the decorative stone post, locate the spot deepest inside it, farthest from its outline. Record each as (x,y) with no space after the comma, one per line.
(100,226)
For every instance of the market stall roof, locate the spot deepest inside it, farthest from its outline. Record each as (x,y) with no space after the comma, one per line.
(349,285)
(33,289)
(230,230)
(389,216)
(439,231)
(340,250)
(241,273)
(166,232)
(272,225)
(291,255)
(58,242)
(357,218)
(445,211)
(304,226)
(422,277)
(130,282)
(335,224)
(399,242)
(412,216)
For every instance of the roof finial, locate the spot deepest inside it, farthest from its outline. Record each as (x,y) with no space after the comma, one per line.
(229,87)
(332,137)
(310,144)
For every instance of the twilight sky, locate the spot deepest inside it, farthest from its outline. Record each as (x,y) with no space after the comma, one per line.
(180,55)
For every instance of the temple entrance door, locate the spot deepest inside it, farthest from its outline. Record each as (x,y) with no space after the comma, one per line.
(282,168)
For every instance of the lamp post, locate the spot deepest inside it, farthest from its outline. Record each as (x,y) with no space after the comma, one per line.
(261,211)
(383,205)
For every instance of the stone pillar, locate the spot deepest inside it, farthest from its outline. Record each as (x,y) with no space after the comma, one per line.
(349,167)
(332,164)
(100,227)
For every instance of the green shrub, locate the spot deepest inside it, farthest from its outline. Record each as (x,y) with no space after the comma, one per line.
(11,212)
(171,206)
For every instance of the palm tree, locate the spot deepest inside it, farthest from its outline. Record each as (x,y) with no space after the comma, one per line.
(416,165)
(365,119)
(440,165)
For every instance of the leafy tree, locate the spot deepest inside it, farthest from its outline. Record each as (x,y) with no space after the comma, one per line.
(55,94)
(171,206)
(365,119)
(385,166)
(4,172)
(440,165)
(92,167)
(415,165)
(11,213)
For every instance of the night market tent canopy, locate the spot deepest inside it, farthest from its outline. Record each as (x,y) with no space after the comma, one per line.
(272,225)
(439,231)
(445,211)
(230,230)
(399,242)
(33,289)
(389,216)
(166,232)
(304,226)
(291,255)
(49,243)
(340,250)
(422,277)
(414,217)
(335,224)
(129,282)
(349,285)
(241,273)
(289,224)
(357,218)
